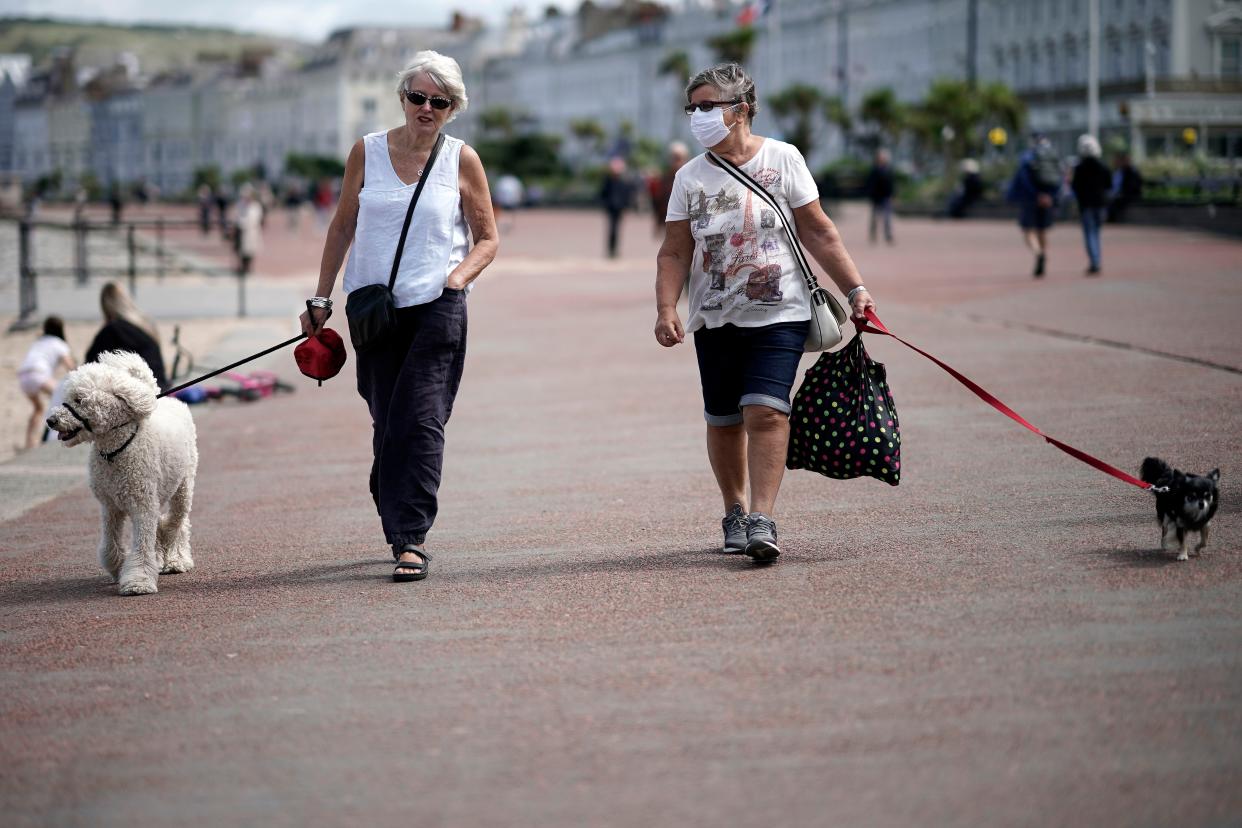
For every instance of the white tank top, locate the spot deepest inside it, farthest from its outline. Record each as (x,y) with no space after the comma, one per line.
(438,239)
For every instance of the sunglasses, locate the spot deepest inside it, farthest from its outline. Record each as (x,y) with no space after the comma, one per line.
(437,102)
(708,106)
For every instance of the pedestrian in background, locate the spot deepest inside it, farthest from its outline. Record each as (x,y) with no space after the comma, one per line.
(116,202)
(323,201)
(205,201)
(1034,189)
(1092,182)
(221,197)
(410,379)
(507,199)
(749,304)
(662,184)
(969,189)
(880,188)
(36,376)
(617,196)
(1127,188)
(247,228)
(126,328)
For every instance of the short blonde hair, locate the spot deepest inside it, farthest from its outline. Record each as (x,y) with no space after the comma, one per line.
(444,71)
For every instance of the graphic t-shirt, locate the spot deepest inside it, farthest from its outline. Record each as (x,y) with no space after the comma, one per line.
(743,272)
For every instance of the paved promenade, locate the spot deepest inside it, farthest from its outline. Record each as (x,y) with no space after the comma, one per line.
(996,641)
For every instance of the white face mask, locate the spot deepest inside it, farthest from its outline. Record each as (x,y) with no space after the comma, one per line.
(708,128)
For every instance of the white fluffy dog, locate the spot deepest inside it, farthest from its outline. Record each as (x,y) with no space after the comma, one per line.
(144,463)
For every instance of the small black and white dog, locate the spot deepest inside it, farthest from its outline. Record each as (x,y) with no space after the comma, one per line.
(1187,506)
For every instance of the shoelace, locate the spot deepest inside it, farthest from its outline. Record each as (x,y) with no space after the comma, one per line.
(735,522)
(764,523)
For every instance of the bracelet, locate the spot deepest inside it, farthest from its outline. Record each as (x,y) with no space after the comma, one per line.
(849,297)
(320,302)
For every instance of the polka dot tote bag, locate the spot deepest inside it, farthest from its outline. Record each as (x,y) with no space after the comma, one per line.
(844,423)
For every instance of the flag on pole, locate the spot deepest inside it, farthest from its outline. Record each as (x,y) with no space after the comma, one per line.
(753,11)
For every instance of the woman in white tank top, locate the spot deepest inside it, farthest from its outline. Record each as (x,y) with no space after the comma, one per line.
(410,379)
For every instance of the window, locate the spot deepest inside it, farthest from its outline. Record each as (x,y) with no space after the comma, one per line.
(1113,64)
(1138,57)
(1231,57)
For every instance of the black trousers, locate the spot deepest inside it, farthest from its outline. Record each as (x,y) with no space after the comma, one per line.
(614,231)
(409,383)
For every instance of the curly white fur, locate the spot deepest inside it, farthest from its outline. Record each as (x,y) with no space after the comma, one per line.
(150,481)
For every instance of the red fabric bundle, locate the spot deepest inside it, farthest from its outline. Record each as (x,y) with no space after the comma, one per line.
(321,356)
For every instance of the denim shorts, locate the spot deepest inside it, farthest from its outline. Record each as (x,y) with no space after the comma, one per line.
(747,366)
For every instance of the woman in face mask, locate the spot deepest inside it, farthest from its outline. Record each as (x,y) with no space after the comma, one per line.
(749,308)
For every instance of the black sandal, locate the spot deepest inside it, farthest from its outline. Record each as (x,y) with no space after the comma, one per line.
(419,567)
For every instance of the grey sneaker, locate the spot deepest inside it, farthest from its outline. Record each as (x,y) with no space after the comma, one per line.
(735,523)
(761,538)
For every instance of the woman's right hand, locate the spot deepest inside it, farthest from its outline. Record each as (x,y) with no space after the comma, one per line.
(668,330)
(313,325)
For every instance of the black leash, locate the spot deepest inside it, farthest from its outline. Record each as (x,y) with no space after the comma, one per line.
(218,371)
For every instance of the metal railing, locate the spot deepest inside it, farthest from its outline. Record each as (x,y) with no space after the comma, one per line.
(138,236)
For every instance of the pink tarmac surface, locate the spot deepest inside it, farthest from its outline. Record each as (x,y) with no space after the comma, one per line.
(997,641)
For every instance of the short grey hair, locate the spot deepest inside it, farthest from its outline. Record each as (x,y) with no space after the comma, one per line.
(444,71)
(1088,147)
(733,82)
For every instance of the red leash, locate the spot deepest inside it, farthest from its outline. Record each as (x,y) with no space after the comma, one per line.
(877,327)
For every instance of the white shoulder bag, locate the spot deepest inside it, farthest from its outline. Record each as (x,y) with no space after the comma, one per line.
(827,316)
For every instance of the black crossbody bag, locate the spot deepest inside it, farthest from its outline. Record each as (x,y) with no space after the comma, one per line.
(371,311)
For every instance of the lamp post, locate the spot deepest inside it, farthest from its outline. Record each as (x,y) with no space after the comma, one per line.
(1093,67)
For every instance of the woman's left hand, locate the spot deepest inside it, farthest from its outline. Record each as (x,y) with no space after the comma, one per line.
(861,304)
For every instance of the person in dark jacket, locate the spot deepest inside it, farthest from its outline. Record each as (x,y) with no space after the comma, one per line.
(969,190)
(1091,184)
(1034,188)
(880,189)
(127,329)
(1127,188)
(617,195)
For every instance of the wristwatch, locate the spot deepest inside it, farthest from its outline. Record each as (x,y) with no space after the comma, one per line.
(319,302)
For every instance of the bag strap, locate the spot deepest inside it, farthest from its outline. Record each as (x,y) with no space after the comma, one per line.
(812,284)
(409,213)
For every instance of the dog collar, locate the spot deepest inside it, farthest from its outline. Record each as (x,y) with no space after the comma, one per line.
(111,455)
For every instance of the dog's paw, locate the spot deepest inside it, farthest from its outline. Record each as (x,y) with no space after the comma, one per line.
(1182,556)
(177,566)
(138,586)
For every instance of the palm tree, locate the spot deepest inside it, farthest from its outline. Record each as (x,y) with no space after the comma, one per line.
(796,105)
(955,116)
(590,132)
(836,113)
(1003,107)
(499,120)
(676,65)
(734,46)
(885,115)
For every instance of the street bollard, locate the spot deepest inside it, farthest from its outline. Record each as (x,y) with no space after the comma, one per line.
(80,269)
(131,246)
(27,297)
(241,293)
(159,248)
